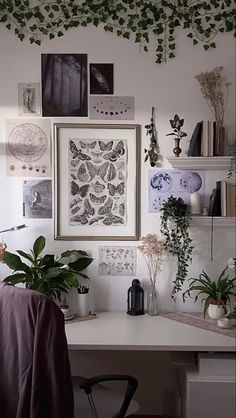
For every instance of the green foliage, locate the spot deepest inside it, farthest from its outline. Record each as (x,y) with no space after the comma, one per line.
(175,223)
(218,291)
(141,20)
(46,274)
(152,153)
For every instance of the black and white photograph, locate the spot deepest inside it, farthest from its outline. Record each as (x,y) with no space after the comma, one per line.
(29,99)
(37,198)
(64,85)
(111,107)
(96,189)
(101,78)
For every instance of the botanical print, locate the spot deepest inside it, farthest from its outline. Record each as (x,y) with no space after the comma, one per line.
(101,78)
(105,107)
(37,198)
(29,99)
(28,148)
(164,183)
(97,181)
(64,85)
(117,261)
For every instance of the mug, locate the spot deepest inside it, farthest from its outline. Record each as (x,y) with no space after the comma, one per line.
(218,311)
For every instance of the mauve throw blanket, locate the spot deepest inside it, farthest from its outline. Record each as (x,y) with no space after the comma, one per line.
(35,379)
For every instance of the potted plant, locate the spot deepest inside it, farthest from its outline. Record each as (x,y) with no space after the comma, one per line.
(176,124)
(175,222)
(46,273)
(216,293)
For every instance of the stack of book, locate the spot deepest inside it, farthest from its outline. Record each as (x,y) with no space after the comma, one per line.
(205,140)
(223,200)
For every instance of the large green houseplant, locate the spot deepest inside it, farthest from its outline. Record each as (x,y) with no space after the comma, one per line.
(46,273)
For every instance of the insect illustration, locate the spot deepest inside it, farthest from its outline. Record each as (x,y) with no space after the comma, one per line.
(88,209)
(113,219)
(82,191)
(120,189)
(98,187)
(87,145)
(73,176)
(106,208)
(77,153)
(97,156)
(111,172)
(82,173)
(105,146)
(75,201)
(79,219)
(116,152)
(100,79)
(96,219)
(97,200)
(75,210)
(97,170)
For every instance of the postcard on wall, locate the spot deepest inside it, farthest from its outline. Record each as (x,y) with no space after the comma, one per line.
(64,85)
(101,78)
(115,107)
(117,261)
(29,99)
(37,198)
(28,150)
(178,183)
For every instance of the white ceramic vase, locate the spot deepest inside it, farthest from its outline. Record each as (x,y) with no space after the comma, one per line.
(83,304)
(218,311)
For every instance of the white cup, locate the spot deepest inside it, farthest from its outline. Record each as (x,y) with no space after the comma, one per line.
(223,323)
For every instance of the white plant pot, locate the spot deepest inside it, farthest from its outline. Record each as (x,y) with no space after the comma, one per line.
(218,311)
(66,312)
(83,304)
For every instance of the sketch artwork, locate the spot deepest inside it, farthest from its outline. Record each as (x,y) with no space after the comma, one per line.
(37,198)
(29,99)
(28,148)
(105,107)
(164,183)
(64,85)
(97,176)
(101,78)
(117,261)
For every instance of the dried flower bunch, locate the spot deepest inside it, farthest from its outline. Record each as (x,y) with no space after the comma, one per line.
(215,89)
(152,251)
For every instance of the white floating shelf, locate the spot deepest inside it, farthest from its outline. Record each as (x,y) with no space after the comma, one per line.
(208,163)
(217,221)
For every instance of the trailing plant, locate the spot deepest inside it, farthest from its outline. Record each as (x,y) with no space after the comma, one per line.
(175,223)
(152,153)
(216,292)
(141,20)
(47,274)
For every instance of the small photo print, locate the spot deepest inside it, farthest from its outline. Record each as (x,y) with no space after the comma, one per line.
(37,198)
(29,99)
(101,78)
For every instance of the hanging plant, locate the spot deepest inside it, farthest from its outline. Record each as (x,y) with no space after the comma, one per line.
(140,20)
(152,153)
(175,223)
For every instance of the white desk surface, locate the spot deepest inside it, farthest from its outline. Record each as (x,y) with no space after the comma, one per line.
(119,331)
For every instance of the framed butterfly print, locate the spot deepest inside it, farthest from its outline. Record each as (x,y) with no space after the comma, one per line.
(97,168)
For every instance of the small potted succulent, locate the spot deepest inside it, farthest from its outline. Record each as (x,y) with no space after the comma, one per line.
(176,124)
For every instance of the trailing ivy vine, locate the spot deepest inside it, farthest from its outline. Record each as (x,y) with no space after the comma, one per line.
(141,20)
(175,223)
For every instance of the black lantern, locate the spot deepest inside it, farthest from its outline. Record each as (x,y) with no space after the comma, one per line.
(135,299)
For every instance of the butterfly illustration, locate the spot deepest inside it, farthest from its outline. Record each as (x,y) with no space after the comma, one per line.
(96,219)
(87,145)
(73,176)
(116,152)
(97,156)
(77,153)
(75,210)
(88,209)
(75,189)
(105,146)
(97,200)
(79,219)
(113,219)
(106,208)
(111,172)
(120,189)
(98,187)
(75,201)
(122,209)
(82,173)
(97,170)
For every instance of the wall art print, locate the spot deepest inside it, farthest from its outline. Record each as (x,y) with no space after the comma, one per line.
(96,181)
(117,261)
(111,108)
(37,198)
(101,78)
(179,183)
(29,99)
(64,85)
(28,148)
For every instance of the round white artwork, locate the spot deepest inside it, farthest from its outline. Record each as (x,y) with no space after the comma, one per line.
(27,142)
(161,181)
(190,181)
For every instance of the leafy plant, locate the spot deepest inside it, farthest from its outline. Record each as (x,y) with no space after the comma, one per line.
(176,124)
(175,223)
(47,274)
(152,153)
(141,20)
(216,292)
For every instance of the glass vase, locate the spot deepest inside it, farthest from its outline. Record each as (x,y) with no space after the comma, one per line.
(152,302)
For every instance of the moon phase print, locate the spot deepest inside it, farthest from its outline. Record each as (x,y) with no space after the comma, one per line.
(112,107)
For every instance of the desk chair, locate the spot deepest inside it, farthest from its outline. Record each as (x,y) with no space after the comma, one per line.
(35,376)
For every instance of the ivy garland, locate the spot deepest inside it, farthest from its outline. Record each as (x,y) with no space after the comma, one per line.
(175,222)
(140,20)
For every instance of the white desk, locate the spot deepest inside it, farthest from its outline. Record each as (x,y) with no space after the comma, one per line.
(119,331)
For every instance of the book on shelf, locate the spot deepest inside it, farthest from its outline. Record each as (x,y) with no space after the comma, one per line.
(204,139)
(230,200)
(221,186)
(215,203)
(195,141)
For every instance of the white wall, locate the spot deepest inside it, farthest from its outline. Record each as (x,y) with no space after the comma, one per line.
(170,88)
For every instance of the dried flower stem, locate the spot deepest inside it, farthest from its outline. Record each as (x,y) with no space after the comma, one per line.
(152,251)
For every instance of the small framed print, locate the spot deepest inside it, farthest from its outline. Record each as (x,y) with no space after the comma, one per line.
(29,99)
(97,168)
